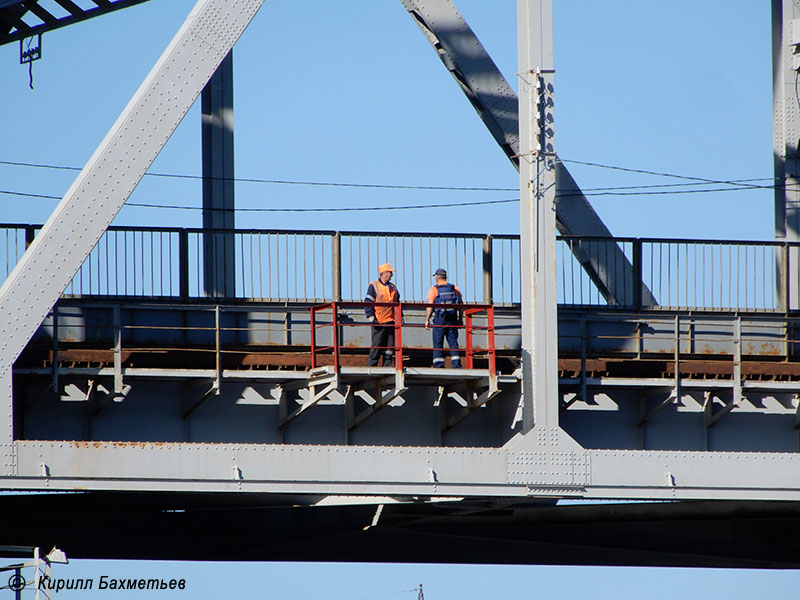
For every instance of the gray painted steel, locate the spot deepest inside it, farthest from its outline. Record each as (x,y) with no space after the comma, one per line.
(404,471)
(198,424)
(786,133)
(219,206)
(537,214)
(466,59)
(102,187)
(471,66)
(647,408)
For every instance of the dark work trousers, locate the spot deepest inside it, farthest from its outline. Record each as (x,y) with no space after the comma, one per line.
(382,344)
(442,330)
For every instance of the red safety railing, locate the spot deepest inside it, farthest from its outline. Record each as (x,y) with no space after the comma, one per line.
(337,325)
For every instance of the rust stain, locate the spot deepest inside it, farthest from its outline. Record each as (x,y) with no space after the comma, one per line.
(120,445)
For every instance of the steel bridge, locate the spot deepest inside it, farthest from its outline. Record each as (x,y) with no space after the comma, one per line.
(177,385)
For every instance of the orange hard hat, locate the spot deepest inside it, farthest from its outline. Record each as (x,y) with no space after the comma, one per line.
(385,267)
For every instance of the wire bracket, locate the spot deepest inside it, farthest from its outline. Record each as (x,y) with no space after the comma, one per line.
(30,49)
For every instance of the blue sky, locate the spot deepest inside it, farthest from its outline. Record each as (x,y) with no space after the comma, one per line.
(351,92)
(292,581)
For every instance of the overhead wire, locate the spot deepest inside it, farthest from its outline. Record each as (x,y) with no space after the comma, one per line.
(661,174)
(385,186)
(640,190)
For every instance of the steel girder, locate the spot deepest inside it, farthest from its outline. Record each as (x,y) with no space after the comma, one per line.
(497,105)
(177,526)
(454,472)
(14,27)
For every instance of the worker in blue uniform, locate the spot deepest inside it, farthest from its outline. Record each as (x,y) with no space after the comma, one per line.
(446,320)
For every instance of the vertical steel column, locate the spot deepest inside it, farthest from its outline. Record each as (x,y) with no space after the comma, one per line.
(537,215)
(786,132)
(6,417)
(488,262)
(336,266)
(218,186)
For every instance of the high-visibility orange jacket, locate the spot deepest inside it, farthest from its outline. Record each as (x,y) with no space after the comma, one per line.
(381,292)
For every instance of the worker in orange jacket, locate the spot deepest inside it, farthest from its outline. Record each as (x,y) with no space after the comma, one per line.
(382,317)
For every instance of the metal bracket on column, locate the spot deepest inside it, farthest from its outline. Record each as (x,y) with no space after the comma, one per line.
(712,418)
(196,404)
(737,397)
(672,398)
(119,384)
(97,404)
(320,383)
(565,404)
(381,399)
(473,402)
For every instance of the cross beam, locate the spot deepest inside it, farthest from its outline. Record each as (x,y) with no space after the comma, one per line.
(13,26)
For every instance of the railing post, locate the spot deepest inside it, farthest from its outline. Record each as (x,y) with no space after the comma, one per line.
(637,282)
(336,266)
(30,233)
(183,263)
(783,278)
(487,270)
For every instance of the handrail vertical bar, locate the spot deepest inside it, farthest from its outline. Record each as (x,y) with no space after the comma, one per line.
(487,269)
(468,342)
(398,337)
(335,325)
(217,319)
(336,265)
(636,260)
(313,337)
(490,341)
(786,278)
(183,263)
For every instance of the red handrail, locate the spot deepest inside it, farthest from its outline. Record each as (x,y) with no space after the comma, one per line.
(469,310)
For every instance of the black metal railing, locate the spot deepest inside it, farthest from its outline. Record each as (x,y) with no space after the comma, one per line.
(321,266)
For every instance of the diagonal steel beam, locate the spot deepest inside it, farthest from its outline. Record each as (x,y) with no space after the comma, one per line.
(10,19)
(114,170)
(498,107)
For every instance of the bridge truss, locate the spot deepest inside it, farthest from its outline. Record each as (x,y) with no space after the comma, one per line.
(120,411)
